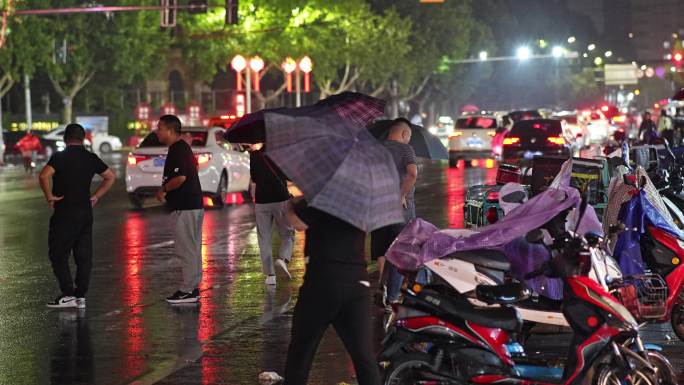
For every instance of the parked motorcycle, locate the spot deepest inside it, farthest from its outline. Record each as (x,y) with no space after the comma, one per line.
(439,338)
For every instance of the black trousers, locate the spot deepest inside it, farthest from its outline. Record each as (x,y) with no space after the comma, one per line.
(346,306)
(71,233)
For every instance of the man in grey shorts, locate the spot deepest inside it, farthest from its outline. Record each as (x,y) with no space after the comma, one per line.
(269,189)
(182,192)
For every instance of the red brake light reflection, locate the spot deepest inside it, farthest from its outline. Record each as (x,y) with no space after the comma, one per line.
(133,160)
(202,159)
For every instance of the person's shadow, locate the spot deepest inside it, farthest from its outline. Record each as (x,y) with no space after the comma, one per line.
(71,360)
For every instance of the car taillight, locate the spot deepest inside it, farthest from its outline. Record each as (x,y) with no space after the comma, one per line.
(202,159)
(493,196)
(492,215)
(491,133)
(133,160)
(455,134)
(510,141)
(556,140)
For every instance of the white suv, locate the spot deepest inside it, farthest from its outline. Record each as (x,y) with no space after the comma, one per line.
(223,167)
(472,138)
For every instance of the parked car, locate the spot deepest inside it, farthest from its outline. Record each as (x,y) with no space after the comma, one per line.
(100,142)
(530,138)
(472,138)
(223,167)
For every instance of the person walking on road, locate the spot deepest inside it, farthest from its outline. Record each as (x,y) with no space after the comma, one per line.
(183,194)
(647,129)
(65,182)
(405,159)
(270,193)
(335,291)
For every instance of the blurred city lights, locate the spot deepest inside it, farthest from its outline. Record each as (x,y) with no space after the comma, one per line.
(557,51)
(523,53)
(631,35)
(637,92)
(673,69)
(591,47)
(483,55)
(571,39)
(609,53)
(598,61)
(643,67)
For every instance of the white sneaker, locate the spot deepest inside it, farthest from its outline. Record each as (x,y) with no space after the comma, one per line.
(283,265)
(271,280)
(80,303)
(62,302)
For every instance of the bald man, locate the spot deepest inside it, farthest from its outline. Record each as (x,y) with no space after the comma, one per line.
(397,144)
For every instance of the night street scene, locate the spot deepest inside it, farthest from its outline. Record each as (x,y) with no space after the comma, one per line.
(343,192)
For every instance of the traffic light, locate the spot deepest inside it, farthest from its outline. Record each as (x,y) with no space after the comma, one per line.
(231,11)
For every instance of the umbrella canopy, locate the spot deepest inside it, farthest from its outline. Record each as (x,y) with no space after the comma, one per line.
(423,142)
(339,166)
(357,108)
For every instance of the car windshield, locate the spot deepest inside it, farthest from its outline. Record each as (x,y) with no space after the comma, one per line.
(195,138)
(536,128)
(476,122)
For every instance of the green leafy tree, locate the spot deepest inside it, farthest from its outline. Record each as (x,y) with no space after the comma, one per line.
(122,46)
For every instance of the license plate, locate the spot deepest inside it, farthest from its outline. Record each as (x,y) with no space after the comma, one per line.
(158,162)
(531,154)
(474,141)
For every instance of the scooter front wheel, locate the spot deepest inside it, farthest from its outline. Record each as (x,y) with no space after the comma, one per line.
(665,374)
(677,318)
(609,375)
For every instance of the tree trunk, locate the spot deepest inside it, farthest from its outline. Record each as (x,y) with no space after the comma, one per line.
(67,112)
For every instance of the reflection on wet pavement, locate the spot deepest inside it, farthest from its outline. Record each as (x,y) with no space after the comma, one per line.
(129,334)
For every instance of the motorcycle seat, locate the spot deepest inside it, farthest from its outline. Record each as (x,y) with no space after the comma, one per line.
(502,294)
(506,318)
(491,259)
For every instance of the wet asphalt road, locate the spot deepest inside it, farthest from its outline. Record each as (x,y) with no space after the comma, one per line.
(129,335)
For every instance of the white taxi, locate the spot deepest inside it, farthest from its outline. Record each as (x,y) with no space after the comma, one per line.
(223,167)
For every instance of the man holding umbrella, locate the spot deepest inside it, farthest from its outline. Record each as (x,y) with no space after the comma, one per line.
(349,182)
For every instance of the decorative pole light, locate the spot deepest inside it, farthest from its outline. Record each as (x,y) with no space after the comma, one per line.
(289,66)
(523,53)
(483,55)
(256,64)
(306,66)
(239,63)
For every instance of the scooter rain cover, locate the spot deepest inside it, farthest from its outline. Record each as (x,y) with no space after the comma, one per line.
(421,241)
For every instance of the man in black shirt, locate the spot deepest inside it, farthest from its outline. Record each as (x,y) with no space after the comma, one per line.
(182,192)
(71,225)
(270,193)
(335,291)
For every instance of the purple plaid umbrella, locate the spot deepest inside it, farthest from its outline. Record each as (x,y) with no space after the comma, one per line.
(357,108)
(339,166)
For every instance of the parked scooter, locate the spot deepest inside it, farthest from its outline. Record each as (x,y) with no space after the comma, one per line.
(439,338)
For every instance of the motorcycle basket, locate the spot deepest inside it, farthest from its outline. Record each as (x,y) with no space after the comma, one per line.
(645,296)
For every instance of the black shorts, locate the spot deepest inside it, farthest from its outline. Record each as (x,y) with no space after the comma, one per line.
(382,238)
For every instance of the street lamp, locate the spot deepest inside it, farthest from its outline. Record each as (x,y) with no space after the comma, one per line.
(598,61)
(571,39)
(557,51)
(239,63)
(256,64)
(591,47)
(483,55)
(289,65)
(609,53)
(523,53)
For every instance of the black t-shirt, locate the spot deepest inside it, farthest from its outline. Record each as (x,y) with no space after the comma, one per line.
(331,243)
(271,183)
(74,171)
(181,161)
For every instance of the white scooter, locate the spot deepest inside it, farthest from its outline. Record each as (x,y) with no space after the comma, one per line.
(464,270)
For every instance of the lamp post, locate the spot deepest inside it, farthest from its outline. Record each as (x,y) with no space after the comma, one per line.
(255,64)
(304,65)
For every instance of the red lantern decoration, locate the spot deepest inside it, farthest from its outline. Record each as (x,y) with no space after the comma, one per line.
(306,66)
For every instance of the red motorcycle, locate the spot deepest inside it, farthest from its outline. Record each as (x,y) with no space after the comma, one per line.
(440,338)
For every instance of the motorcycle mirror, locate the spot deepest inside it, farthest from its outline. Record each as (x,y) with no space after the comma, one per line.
(535,236)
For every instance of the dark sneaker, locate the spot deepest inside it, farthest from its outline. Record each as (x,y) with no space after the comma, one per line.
(62,302)
(182,297)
